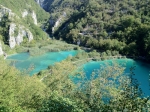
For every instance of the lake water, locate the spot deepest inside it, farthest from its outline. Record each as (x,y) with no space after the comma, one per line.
(25,61)
(142,71)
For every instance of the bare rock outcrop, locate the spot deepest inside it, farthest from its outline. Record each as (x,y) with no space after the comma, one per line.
(17,33)
(4,11)
(12,42)
(1,50)
(33,15)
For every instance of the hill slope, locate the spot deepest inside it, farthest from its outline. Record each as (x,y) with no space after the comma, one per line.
(21,21)
(103,24)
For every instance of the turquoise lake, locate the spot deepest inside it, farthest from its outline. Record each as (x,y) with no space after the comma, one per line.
(24,61)
(142,71)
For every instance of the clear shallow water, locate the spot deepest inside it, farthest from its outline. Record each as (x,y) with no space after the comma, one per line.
(23,61)
(142,71)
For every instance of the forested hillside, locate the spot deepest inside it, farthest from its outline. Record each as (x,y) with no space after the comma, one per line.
(21,22)
(119,25)
(18,7)
(110,26)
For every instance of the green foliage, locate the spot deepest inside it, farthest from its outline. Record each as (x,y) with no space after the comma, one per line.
(4,25)
(112,27)
(57,78)
(19,6)
(57,103)
(105,25)
(27,23)
(16,32)
(54,90)
(19,92)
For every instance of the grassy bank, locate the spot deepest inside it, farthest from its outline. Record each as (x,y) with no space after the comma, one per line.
(36,48)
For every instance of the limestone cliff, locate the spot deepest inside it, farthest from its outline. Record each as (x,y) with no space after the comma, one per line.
(22,32)
(40,2)
(33,15)
(34,18)
(24,13)
(58,22)
(1,51)
(4,11)
(12,41)
(16,32)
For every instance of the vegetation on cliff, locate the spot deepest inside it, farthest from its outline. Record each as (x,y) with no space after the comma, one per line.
(104,24)
(28,19)
(113,26)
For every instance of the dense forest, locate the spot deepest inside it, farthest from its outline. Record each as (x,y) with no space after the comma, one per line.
(119,25)
(53,90)
(112,27)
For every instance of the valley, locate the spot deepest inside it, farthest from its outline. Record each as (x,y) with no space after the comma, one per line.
(74,55)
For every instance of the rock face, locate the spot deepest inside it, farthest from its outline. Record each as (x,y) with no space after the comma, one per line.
(56,24)
(59,20)
(29,35)
(1,51)
(17,33)
(33,15)
(34,18)
(25,13)
(40,2)
(4,11)
(45,4)
(12,41)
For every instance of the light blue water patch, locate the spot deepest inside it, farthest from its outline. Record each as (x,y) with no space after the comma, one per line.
(23,61)
(20,56)
(142,71)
